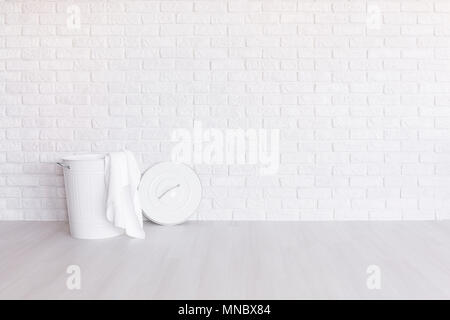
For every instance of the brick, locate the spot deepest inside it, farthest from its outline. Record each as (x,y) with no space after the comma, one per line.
(362,111)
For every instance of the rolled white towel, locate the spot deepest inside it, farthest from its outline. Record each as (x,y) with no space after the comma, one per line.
(123,208)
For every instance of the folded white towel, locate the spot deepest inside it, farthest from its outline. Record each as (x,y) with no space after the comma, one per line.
(123,207)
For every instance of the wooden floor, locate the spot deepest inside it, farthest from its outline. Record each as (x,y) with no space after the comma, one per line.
(230,260)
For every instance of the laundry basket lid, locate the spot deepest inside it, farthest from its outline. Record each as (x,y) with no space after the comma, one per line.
(170,193)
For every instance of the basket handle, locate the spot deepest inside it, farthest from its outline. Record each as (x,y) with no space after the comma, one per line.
(63,165)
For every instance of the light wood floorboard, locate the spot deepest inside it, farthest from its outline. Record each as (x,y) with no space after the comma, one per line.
(230,260)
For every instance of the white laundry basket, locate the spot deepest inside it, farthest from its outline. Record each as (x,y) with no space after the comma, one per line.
(84,180)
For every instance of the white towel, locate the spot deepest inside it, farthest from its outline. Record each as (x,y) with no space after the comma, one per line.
(123,207)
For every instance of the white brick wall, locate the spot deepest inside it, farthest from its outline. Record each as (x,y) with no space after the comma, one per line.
(359,89)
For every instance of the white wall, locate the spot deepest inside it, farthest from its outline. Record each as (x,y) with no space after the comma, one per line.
(363,108)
